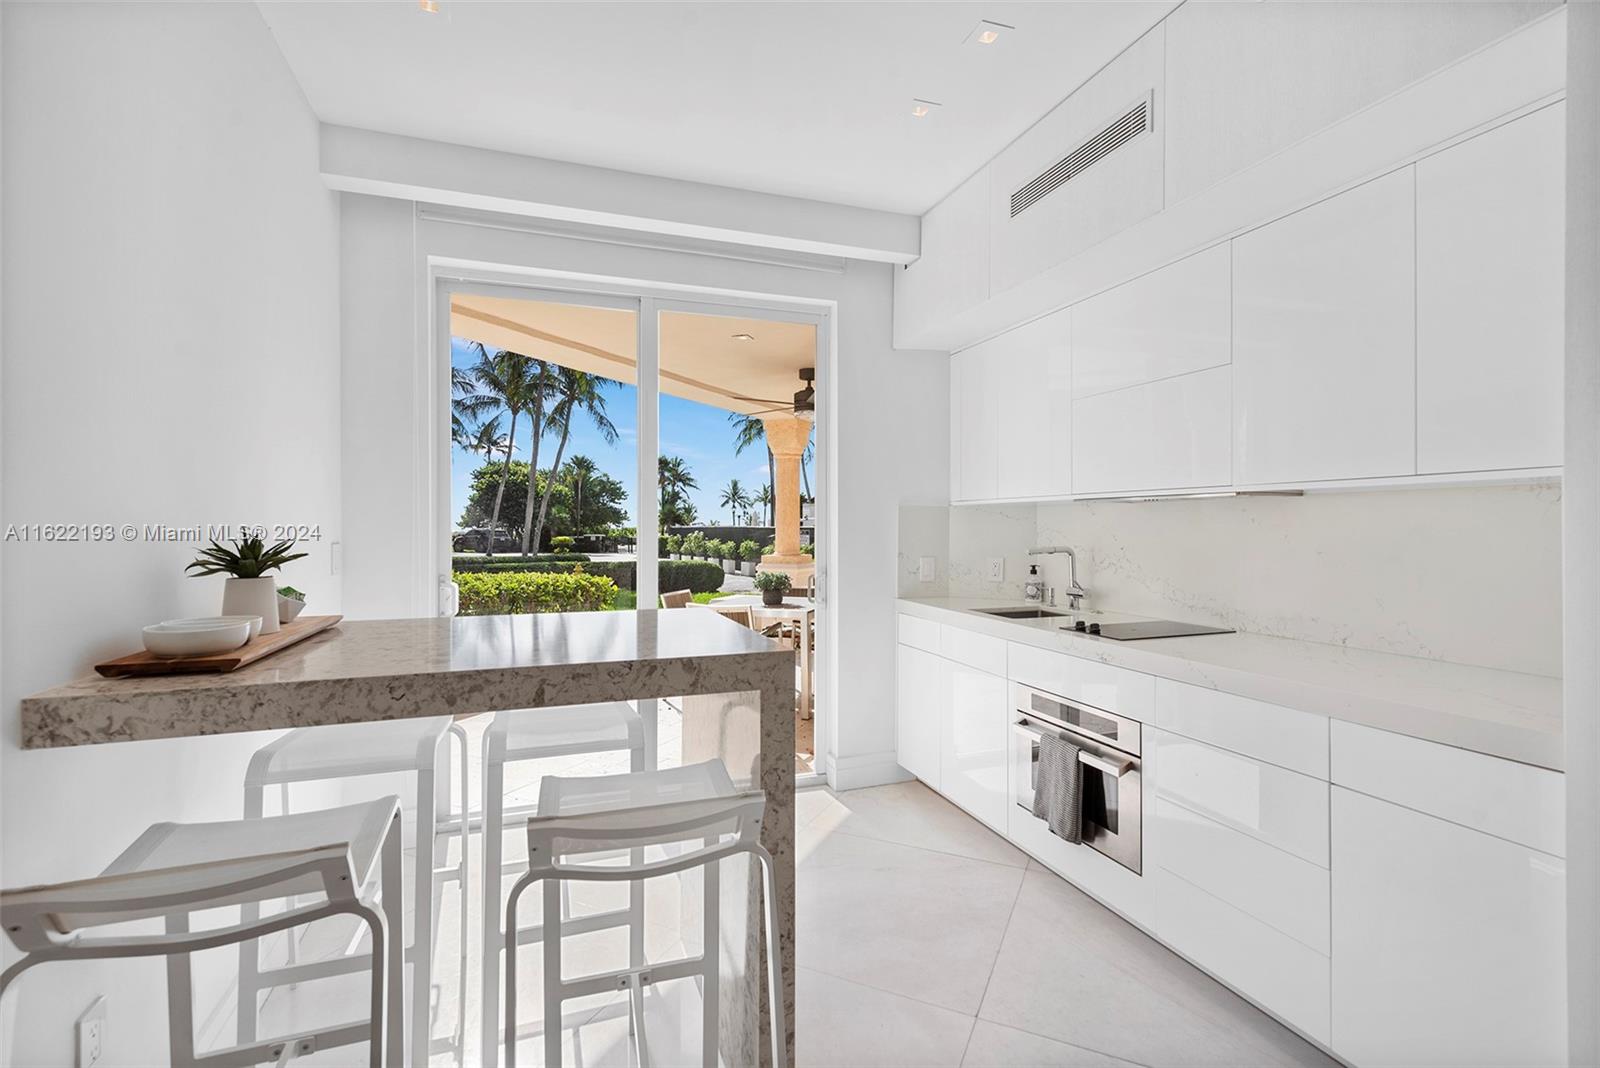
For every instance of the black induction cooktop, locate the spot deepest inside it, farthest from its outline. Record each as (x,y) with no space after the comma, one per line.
(1147,628)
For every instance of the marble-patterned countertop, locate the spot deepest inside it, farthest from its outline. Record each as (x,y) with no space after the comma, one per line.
(384,669)
(1502,713)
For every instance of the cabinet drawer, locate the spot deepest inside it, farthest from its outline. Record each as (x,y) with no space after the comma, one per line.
(1277,888)
(1283,736)
(1281,974)
(974,650)
(1268,803)
(1127,693)
(1517,802)
(919,633)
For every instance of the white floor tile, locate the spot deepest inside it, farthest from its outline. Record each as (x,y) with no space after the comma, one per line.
(853,1026)
(995,1046)
(908,813)
(905,920)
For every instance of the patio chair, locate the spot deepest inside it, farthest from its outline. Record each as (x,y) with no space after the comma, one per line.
(677,599)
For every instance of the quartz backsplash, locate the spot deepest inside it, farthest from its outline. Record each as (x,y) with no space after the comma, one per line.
(1465,574)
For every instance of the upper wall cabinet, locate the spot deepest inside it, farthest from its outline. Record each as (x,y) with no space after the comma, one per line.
(1490,275)
(1324,329)
(1033,372)
(974,423)
(1171,434)
(1095,202)
(952,273)
(1167,323)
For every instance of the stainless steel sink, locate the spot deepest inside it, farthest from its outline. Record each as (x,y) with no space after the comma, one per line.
(1020,613)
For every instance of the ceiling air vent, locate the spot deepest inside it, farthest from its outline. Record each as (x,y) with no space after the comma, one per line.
(1135,121)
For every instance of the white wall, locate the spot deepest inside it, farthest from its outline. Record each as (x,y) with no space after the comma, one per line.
(171,355)
(891,413)
(1470,575)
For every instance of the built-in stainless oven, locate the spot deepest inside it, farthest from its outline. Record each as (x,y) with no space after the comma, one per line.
(1108,758)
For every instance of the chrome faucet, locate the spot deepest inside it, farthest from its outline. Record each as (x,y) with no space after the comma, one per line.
(1074,592)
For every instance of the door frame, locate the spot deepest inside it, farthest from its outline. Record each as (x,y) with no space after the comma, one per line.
(445,277)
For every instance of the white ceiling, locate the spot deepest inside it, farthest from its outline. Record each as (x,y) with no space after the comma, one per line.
(805,99)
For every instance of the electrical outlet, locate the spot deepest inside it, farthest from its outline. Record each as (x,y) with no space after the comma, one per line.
(91,1033)
(925,568)
(335,558)
(996,571)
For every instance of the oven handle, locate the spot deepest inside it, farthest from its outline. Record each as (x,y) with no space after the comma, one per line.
(1114,768)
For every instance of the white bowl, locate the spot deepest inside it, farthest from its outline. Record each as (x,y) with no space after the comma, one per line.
(204,622)
(184,638)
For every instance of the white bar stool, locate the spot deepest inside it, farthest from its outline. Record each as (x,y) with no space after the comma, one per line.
(694,806)
(537,734)
(352,750)
(344,856)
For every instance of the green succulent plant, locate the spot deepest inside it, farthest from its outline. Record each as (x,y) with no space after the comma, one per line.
(291,593)
(249,558)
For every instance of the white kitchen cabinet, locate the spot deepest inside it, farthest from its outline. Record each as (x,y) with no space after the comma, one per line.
(1449,945)
(1282,808)
(1032,371)
(951,273)
(921,694)
(975,432)
(1169,322)
(1324,327)
(1172,434)
(1490,277)
(973,744)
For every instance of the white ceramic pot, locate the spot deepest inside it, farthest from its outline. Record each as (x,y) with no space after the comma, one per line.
(252,597)
(288,608)
(748,568)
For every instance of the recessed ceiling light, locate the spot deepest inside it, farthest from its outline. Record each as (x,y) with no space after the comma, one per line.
(431,7)
(744,337)
(922,108)
(987,33)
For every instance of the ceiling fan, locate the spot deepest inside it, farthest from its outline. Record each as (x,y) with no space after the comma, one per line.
(804,403)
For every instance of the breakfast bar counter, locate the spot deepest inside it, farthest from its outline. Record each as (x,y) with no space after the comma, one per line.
(368,671)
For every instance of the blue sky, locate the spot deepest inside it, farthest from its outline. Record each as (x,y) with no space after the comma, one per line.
(699,433)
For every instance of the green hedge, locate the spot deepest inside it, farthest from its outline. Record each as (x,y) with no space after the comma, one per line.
(533,591)
(516,563)
(697,575)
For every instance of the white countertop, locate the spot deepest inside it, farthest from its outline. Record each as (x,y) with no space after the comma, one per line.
(1502,713)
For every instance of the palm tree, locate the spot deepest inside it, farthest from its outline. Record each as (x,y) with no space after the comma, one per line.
(674,479)
(764,499)
(579,470)
(466,406)
(487,440)
(747,430)
(575,391)
(734,498)
(513,382)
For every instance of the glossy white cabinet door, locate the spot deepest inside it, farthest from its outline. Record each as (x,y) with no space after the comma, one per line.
(1449,945)
(1166,435)
(1032,374)
(1169,322)
(921,695)
(958,427)
(973,744)
(1490,278)
(978,393)
(1324,325)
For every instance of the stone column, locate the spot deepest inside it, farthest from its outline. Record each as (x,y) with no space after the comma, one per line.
(787,437)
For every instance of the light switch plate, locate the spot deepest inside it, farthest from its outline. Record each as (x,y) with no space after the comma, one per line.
(926,567)
(996,570)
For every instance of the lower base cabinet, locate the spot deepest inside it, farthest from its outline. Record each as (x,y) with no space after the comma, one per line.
(973,744)
(921,695)
(1449,945)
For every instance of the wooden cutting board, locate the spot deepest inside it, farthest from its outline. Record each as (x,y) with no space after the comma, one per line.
(143,663)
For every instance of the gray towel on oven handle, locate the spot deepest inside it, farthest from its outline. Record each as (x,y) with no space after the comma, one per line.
(1058,787)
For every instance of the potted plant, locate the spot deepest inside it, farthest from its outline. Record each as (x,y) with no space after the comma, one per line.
(773,585)
(728,552)
(291,602)
(749,556)
(674,546)
(249,591)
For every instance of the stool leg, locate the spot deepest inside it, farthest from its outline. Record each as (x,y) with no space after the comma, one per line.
(710,961)
(636,889)
(180,998)
(422,933)
(291,936)
(552,973)
(463,894)
(393,962)
(250,948)
(493,804)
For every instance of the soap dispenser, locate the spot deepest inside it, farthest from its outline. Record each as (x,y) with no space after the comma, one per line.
(1033,586)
